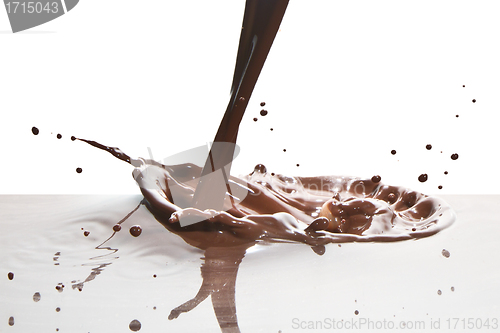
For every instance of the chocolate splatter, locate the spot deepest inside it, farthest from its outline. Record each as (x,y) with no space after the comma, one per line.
(58,309)
(428,147)
(446,172)
(10,276)
(117,227)
(11,321)
(452,288)
(255,119)
(445,253)
(73,138)
(37,297)
(440,187)
(376,179)
(263,113)
(439,292)
(135,325)
(356,312)
(473,101)
(454,156)
(59,136)
(135,230)
(86,233)
(263,104)
(423,178)
(393,152)
(79,170)
(35,130)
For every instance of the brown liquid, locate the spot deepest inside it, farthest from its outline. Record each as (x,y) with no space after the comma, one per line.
(311,210)
(423,178)
(135,325)
(10,276)
(135,231)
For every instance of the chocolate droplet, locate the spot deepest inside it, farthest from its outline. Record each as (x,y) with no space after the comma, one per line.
(454,156)
(263,113)
(356,312)
(428,147)
(452,288)
(79,170)
(272,129)
(393,152)
(260,168)
(262,103)
(446,172)
(35,130)
(376,179)
(117,227)
(445,253)
(423,178)
(11,321)
(135,325)
(135,230)
(59,136)
(284,150)
(255,119)
(440,187)
(473,101)
(439,292)
(58,309)
(37,297)
(73,138)
(10,276)
(86,233)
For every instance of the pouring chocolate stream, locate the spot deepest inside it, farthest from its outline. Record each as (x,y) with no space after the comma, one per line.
(261,22)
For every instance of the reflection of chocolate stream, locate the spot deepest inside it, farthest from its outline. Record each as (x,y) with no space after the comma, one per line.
(219,272)
(97,270)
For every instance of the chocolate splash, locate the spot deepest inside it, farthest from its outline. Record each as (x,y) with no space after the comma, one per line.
(314,211)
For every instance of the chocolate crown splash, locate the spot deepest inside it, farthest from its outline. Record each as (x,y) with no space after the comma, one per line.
(314,211)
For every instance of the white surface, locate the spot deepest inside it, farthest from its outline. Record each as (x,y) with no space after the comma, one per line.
(396,282)
(345,83)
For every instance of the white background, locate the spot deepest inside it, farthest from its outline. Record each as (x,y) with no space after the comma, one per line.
(345,83)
